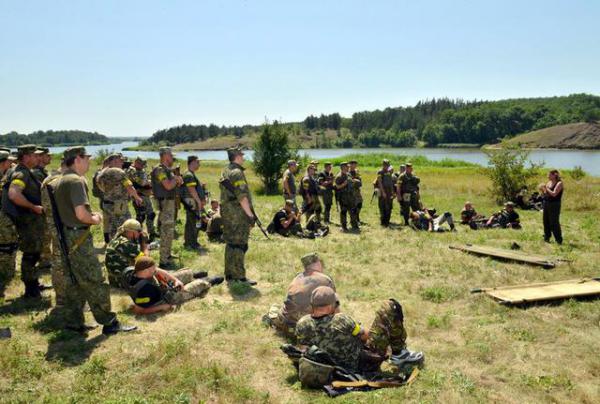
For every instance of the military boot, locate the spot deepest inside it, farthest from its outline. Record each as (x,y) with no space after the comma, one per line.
(32,290)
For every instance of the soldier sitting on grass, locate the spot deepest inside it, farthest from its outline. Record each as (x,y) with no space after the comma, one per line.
(507,218)
(129,243)
(154,290)
(297,302)
(286,222)
(347,343)
(469,214)
(429,220)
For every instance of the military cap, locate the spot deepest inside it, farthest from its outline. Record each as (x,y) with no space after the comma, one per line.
(327,163)
(74,151)
(314,162)
(309,259)
(291,162)
(140,159)
(42,150)
(4,156)
(144,262)
(386,162)
(26,149)
(408,164)
(113,156)
(343,163)
(509,203)
(353,162)
(165,150)
(132,225)
(402,165)
(234,151)
(191,159)
(289,202)
(323,296)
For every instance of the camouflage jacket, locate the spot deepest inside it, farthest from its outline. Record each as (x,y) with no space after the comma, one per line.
(408,183)
(337,334)
(120,253)
(114,183)
(140,180)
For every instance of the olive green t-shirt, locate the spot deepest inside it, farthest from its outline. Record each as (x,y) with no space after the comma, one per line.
(71,191)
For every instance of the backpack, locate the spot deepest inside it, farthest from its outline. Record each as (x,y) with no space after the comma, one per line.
(315,368)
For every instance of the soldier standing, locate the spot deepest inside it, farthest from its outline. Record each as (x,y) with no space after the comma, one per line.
(58,272)
(310,193)
(408,192)
(139,178)
(385,187)
(193,199)
(164,184)
(40,172)
(98,193)
(237,215)
(117,189)
(86,282)
(289,182)
(22,203)
(326,185)
(8,233)
(357,185)
(343,184)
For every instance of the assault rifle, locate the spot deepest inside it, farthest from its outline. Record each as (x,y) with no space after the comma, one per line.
(229,186)
(189,208)
(60,233)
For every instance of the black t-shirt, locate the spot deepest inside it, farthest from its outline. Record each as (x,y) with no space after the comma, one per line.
(279,217)
(148,295)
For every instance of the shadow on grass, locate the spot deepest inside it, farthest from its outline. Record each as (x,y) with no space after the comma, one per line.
(242,291)
(71,348)
(551,303)
(22,305)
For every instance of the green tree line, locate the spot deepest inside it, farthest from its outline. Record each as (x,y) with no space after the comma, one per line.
(54,138)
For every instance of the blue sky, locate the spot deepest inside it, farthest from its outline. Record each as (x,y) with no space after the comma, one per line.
(128,68)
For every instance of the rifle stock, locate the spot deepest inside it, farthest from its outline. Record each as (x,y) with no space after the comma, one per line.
(60,233)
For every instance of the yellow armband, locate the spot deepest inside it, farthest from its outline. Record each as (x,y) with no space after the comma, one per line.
(19,183)
(140,300)
(356,330)
(127,183)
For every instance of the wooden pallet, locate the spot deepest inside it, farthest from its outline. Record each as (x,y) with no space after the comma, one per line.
(509,255)
(534,292)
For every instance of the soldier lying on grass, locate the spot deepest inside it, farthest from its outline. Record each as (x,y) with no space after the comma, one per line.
(155,290)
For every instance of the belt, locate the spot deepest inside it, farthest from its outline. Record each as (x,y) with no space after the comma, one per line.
(77,227)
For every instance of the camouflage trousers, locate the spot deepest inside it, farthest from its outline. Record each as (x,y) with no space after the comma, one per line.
(8,251)
(191,220)
(234,261)
(105,218)
(90,284)
(314,208)
(192,288)
(116,212)
(410,200)
(166,217)
(145,213)
(30,228)
(344,211)
(276,320)
(236,231)
(327,203)
(46,255)
(387,330)
(385,209)
(58,271)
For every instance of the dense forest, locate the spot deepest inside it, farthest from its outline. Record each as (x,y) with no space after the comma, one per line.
(432,122)
(54,138)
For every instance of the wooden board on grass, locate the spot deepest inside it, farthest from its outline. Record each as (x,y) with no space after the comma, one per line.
(535,292)
(509,255)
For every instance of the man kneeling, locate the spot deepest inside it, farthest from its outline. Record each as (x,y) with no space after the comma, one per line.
(286,222)
(347,343)
(154,290)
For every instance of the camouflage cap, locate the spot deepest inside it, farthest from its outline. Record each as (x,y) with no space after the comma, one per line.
(314,162)
(131,225)
(4,156)
(74,151)
(343,163)
(26,149)
(144,262)
(323,296)
(386,162)
(234,151)
(140,159)
(291,162)
(42,150)
(408,164)
(327,163)
(509,203)
(309,259)
(165,150)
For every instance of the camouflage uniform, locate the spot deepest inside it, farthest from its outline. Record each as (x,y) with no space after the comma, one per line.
(144,213)
(310,188)
(236,223)
(326,186)
(192,288)
(8,246)
(356,187)
(339,336)
(409,191)
(288,177)
(214,228)
(41,174)
(90,284)
(192,210)
(166,210)
(98,193)
(346,198)
(120,253)
(30,226)
(114,183)
(58,270)
(385,204)
(297,301)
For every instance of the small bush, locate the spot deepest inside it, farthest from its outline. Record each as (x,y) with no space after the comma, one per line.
(271,152)
(577,173)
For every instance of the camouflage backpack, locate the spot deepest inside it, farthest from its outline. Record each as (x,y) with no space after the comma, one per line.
(315,368)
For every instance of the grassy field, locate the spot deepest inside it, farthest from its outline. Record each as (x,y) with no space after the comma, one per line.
(217,350)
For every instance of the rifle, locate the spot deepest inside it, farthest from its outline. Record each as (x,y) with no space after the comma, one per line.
(229,186)
(60,233)
(188,207)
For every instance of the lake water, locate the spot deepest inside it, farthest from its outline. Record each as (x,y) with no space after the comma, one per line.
(559,159)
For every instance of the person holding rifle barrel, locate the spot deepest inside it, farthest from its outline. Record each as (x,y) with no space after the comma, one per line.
(145,212)
(193,199)
(73,218)
(237,215)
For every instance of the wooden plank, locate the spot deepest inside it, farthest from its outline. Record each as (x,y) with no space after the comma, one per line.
(509,255)
(544,291)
